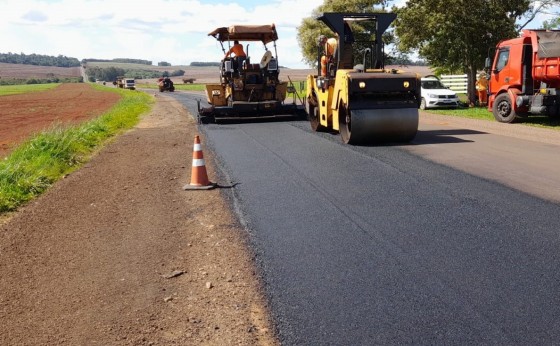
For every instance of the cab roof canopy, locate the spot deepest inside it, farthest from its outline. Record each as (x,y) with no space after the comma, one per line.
(263,33)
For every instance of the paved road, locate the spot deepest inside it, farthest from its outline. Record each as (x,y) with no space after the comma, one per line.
(378,245)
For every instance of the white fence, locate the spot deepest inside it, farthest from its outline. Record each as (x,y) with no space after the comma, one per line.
(457,82)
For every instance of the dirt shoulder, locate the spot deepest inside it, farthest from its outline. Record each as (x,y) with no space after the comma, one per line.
(118,253)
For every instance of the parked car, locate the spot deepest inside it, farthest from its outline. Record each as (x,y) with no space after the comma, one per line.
(436,95)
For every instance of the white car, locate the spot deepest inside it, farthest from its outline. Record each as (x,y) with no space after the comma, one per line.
(436,95)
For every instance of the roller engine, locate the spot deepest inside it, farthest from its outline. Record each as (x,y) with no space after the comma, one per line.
(358,97)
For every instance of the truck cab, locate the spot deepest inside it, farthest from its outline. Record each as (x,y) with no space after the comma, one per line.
(129,84)
(525,76)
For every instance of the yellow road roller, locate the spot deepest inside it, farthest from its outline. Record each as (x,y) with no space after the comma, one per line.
(352,92)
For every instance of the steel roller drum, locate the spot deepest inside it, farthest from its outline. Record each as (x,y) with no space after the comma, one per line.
(380,125)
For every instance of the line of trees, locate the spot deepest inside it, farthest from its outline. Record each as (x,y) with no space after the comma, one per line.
(39,60)
(203,64)
(111,73)
(120,60)
(21,81)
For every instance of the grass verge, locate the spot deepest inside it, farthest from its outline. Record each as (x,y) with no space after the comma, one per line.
(482,113)
(47,157)
(22,89)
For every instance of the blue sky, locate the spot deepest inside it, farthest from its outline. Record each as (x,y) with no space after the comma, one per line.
(158,30)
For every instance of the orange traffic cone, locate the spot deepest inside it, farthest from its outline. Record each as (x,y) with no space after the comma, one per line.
(199,177)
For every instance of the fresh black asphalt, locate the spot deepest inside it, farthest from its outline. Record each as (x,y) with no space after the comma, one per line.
(375,246)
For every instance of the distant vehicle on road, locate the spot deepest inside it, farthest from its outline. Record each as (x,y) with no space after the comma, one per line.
(125,83)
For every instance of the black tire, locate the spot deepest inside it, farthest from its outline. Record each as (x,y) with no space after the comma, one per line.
(313,115)
(503,109)
(422,104)
(554,111)
(345,122)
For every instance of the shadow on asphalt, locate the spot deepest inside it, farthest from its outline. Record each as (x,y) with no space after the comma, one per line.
(443,136)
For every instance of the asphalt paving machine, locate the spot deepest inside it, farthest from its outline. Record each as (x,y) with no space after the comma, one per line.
(247,88)
(352,92)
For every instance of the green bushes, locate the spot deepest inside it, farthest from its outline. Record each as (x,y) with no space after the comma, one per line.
(20,89)
(22,81)
(36,164)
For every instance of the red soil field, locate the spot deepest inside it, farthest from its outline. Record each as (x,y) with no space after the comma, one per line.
(23,115)
(10,71)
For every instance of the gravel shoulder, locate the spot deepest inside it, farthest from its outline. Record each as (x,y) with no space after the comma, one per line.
(118,253)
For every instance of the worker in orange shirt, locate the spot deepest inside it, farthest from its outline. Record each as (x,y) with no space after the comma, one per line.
(237,50)
(330,49)
(482,89)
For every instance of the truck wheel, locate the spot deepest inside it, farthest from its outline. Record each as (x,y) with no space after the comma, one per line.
(553,111)
(423,104)
(503,109)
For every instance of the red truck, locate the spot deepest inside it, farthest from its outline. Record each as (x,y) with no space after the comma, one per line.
(525,76)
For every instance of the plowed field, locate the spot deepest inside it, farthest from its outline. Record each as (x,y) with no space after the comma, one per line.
(23,115)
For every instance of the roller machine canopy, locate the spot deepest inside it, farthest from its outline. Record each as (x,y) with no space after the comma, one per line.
(263,33)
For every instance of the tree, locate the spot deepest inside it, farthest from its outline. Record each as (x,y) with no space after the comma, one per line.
(540,7)
(552,24)
(460,37)
(310,28)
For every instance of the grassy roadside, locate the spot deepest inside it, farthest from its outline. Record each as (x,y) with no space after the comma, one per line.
(482,113)
(42,160)
(21,89)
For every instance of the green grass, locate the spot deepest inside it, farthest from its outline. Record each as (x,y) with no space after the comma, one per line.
(22,89)
(191,87)
(483,113)
(44,159)
(472,112)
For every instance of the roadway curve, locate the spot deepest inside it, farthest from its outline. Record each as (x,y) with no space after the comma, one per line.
(429,243)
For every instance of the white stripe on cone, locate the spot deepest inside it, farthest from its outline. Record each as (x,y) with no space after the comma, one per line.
(197,147)
(198,162)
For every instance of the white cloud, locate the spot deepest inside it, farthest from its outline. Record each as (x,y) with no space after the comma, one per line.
(160,30)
